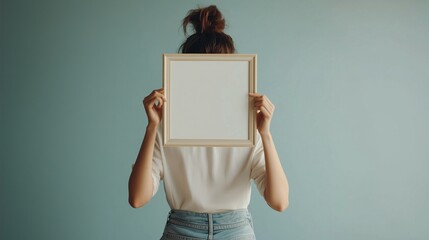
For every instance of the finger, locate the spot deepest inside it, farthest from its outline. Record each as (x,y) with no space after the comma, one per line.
(260,96)
(153,102)
(158,93)
(267,99)
(255,95)
(269,107)
(159,99)
(148,99)
(265,112)
(158,90)
(268,103)
(259,101)
(160,103)
(155,95)
(155,92)
(264,102)
(257,104)
(271,104)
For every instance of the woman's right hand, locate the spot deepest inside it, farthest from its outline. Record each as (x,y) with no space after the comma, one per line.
(153,105)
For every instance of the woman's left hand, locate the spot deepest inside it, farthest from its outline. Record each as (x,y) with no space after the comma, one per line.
(264,111)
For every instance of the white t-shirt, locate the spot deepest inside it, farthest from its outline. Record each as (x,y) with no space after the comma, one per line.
(208,179)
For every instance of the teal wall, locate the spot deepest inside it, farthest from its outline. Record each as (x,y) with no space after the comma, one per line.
(350,80)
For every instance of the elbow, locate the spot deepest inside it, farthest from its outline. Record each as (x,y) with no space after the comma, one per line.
(281,207)
(137,203)
(134,203)
(277,202)
(138,198)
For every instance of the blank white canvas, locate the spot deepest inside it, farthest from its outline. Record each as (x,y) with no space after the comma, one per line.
(209,98)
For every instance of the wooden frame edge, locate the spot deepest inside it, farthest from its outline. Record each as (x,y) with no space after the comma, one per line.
(252,131)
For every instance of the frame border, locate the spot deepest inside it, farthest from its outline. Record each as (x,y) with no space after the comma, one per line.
(252,83)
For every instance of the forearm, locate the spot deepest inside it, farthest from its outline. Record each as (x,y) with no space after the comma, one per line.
(276,185)
(140,184)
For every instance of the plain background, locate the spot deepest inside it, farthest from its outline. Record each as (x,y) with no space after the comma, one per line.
(350,80)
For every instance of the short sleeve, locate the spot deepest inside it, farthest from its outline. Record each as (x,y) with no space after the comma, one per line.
(258,166)
(157,166)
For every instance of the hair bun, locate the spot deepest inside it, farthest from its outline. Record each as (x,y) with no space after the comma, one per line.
(204,20)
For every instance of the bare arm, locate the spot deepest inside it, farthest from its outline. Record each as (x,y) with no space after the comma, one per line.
(276,185)
(140,184)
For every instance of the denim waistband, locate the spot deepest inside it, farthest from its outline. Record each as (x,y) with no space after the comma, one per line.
(204,221)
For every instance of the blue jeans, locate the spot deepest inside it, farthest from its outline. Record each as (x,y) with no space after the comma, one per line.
(185,225)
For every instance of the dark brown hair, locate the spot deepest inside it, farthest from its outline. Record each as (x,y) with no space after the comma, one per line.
(208,24)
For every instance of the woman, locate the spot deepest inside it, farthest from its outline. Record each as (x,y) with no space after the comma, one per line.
(208,188)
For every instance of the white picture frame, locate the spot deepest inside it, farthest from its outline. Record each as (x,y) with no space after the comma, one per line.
(207,100)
